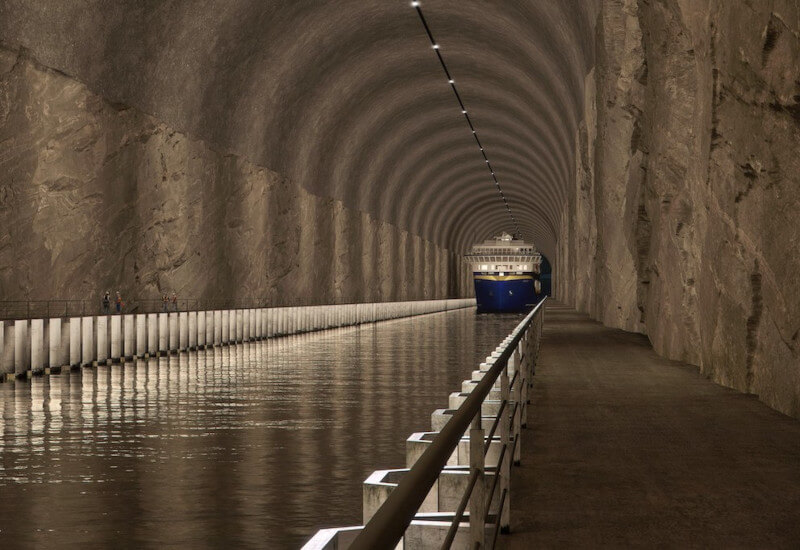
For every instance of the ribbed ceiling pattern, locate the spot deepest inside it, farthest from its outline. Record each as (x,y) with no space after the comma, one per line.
(347,97)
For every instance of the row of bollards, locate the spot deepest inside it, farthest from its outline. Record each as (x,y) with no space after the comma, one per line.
(41,346)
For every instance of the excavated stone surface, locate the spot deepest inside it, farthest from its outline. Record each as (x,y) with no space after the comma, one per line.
(97,196)
(346,98)
(694,188)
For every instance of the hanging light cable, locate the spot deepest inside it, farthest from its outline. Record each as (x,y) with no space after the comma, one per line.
(452,82)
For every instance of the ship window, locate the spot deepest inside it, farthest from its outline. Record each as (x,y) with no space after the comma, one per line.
(501,273)
(484,267)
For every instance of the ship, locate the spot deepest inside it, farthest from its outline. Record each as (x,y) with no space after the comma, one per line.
(506,273)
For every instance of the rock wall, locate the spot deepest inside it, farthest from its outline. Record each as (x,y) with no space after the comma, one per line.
(96,196)
(683,221)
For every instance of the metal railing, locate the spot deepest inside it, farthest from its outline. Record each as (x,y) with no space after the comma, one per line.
(39,309)
(390,521)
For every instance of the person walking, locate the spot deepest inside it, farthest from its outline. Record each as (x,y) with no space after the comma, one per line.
(119,302)
(164,302)
(174,301)
(106,303)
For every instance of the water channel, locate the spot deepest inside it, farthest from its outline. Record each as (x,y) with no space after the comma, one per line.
(253,446)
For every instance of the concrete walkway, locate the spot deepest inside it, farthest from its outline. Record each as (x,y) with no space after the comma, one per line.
(624,448)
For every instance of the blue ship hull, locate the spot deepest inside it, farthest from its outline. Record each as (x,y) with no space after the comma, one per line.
(509,293)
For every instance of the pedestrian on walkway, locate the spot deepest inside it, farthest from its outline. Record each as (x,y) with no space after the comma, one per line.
(119,302)
(106,303)
(174,301)
(164,302)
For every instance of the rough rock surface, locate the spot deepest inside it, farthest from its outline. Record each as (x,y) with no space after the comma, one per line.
(95,195)
(346,98)
(683,222)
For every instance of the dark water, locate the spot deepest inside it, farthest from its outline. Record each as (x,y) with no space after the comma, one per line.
(253,446)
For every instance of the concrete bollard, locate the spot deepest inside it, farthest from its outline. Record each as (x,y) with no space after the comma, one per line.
(21,347)
(226,327)
(245,336)
(101,338)
(253,325)
(21,344)
(173,333)
(37,346)
(193,329)
(75,342)
(141,334)
(87,341)
(217,328)
(203,318)
(54,344)
(116,338)
(128,337)
(208,329)
(6,349)
(163,334)
(239,325)
(183,331)
(153,322)
(64,344)
(200,337)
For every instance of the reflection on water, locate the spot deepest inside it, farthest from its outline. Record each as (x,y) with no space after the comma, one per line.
(256,445)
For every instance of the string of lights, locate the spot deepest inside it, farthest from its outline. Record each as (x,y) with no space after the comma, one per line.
(452,82)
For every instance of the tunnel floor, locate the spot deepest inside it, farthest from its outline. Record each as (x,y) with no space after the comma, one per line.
(625,448)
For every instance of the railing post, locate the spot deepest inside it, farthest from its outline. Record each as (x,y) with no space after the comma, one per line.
(477,504)
(519,417)
(504,469)
(521,396)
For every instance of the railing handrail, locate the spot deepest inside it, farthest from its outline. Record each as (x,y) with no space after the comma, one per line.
(390,521)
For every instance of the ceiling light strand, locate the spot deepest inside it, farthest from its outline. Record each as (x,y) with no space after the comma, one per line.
(452,82)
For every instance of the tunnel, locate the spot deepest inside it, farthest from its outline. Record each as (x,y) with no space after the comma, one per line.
(224,154)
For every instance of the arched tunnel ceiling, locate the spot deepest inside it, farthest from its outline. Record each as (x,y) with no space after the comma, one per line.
(347,98)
